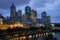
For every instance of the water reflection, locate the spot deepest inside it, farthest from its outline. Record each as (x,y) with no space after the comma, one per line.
(38,37)
(57,35)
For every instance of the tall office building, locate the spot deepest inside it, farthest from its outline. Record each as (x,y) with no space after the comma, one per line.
(12,11)
(44,15)
(18,17)
(24,20)
(33,16)
(48,20)
(19,14)
(28,13)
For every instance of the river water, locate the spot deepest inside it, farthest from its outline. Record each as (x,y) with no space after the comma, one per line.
(57,35)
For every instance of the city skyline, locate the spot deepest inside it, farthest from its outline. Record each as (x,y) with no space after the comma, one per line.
(39,7)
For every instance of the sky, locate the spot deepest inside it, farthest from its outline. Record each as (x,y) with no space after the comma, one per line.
(52,7)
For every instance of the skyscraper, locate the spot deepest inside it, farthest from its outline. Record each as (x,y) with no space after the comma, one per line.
(45,19)
(48,20)
(28,13)
(12,11)
(24,20)
(19,14)
(33,15)
(44,15)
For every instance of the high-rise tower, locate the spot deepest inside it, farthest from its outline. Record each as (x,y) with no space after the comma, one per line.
(48,20)
(28,13)
(33,15)
(19,14)
(44,15)
(12,11)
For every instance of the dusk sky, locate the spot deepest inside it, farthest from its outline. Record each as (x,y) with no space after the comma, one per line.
(52,7)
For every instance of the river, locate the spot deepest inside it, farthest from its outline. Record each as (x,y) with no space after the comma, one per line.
(57,35)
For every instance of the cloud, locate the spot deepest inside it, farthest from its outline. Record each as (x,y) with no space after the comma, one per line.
(52,7)
(5,4)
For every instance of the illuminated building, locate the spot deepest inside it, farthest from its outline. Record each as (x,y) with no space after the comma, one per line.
(28,13)
(5,26)
(1,21)
(48,20)
(33,16)
(19,15)
(12,11)
(44,15)
(45,19)
(15,16)
(24,20)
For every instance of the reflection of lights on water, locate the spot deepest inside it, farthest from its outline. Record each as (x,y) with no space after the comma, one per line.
(30,36)
(21,38)
(53,34)
(46,33)
(17,38)
(16,35)
(39,35)
(36,35)
(24,37)
(14,39)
